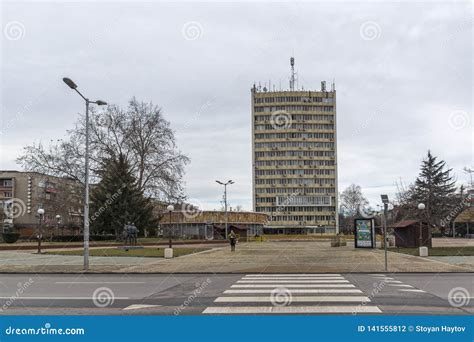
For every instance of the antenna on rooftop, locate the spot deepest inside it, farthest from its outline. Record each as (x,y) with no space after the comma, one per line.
(292,77)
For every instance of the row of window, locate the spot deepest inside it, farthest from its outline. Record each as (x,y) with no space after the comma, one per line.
(297,117)
(297,162)
(293,99)
(303,200)
(296,144)
(293,108)
(294,136)
(294,210)
(298,181)
(296,191)
(265,154)
(6,183)
(276,126)
(295,172)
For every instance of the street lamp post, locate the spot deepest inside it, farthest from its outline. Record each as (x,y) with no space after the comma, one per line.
(421,207)
(225,202)
(170,209)
(385,202)
(73,86)
(58,220)
(40,232)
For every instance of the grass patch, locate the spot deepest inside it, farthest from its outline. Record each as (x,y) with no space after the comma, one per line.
(438,251)
(144,252)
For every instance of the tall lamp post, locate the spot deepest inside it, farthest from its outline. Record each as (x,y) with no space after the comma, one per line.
(385,202)
(421,207)
(70,83)
(170,209)
(40,231)
(230,181)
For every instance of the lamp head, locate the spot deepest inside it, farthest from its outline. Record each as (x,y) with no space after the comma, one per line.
(70,83)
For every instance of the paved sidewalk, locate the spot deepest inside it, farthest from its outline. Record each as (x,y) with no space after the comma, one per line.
(260,257)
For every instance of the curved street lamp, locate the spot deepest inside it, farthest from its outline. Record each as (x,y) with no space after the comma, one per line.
(70,83)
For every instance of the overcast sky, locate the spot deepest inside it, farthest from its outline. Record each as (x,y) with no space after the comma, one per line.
(403,77)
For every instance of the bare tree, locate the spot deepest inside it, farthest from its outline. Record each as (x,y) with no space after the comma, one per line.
(140,133)
(352,200)
(353,203)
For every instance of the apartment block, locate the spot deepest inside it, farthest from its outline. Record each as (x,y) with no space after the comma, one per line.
(294,159)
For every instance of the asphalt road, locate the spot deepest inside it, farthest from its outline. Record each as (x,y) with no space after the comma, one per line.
(179,294)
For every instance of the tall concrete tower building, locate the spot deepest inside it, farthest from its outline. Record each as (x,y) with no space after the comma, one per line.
(294,157)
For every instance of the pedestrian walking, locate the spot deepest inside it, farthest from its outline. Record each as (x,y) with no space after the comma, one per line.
(233,240)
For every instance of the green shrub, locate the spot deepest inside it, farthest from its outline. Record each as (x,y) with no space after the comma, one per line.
(79,238)
(10,237)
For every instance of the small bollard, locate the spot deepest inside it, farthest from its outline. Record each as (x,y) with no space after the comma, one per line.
(168,253)
(423,251)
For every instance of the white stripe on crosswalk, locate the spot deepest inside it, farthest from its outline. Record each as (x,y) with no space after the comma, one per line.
(295,275)
(292,291)
(400,285)
(293,279)
(294,299)
(283,281)
(312,285)
(393,281)
(411,290)
(291,309)
(275,285)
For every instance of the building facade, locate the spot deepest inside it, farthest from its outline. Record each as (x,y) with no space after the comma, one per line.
(209,225)
(294,157)
(23,193)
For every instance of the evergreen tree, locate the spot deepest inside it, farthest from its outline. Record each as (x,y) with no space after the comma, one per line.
(117,199)
(435,187)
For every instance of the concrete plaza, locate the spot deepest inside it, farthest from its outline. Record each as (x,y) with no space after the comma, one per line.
(254,257)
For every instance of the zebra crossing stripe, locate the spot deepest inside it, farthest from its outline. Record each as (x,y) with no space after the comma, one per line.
(276,285)
(291,279)
(400,285)
(281,281)
(291,309)
(411,290)
(293,291)
(295,275)
(270,299)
